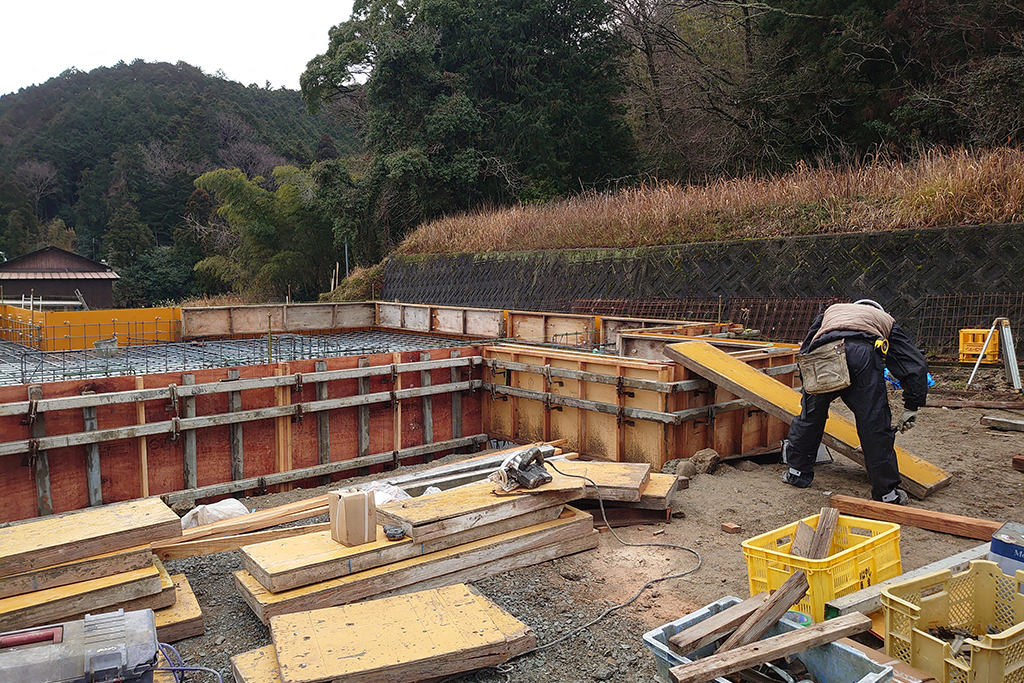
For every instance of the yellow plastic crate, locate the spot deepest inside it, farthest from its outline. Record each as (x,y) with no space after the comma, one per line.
(975,600)
(971,343)
(863,553)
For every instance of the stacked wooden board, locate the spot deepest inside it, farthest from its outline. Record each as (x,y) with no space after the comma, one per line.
(423,635)
(456,535)
(97,560)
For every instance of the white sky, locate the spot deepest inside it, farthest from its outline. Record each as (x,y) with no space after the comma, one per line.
(253,42)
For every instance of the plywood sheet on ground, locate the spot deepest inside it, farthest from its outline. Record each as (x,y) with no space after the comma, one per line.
(58,604)
(256,666)
(49,541)
(522,547)
(618,481)
(920,478)
(184,618)
(463,507)
(66,573)
(302,560)
(411,637)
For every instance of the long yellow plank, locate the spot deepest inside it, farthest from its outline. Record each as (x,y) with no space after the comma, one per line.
(256,666)
(457,509)
(184,618)
(421,635)
(301,560)
(571,525)
(65,573)
(49,541)
(920,477)
(56,604)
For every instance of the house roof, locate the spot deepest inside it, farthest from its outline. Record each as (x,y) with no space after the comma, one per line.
(53,263)
(63,275)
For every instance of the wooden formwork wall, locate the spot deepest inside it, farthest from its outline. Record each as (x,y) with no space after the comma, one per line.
(155,463)
(629,410)
(612,436)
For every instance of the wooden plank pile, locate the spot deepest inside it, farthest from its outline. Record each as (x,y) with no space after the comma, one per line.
(385,640)
(97,560)
(456,535)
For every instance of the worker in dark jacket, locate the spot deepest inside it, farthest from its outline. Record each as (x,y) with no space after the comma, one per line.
(863,326)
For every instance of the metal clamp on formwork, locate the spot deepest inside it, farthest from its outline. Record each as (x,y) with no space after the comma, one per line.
(710,422)
(494,393)
(261,486)
(547,377)
(298,414)
(297,387)
(548,406)
(620,391)
(172,391)
(620,417)
(394,459)
(175,429)
(492,364)
(30,417)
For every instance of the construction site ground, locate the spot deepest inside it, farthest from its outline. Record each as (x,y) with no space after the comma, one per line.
(559,596)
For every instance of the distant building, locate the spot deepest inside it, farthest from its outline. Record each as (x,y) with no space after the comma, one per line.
(54,275)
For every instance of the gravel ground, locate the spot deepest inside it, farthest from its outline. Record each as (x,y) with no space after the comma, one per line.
(557,597)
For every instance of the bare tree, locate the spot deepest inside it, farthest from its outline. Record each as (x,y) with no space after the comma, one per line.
(40,179)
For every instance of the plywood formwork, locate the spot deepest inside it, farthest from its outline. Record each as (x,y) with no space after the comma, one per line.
(378,416)
(625,410)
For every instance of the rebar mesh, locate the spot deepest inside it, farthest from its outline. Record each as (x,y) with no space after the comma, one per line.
(23,365)
(942,317)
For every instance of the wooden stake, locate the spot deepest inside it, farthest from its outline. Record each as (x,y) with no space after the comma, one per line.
(428,407)
(41,466)
(323,424)
(93,480)
(140,418)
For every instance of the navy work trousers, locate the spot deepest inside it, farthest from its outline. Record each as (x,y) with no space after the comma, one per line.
(867,398)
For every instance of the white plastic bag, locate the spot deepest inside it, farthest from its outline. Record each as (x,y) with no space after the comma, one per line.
(214,512)
(384,492)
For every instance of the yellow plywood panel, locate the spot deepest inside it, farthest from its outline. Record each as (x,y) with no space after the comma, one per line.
(184,618)
(601,431)
(565,421)
(62,574)
(256,666)
(499,409)
(54,604)
(309,558)
(571,525)
(645,441)
(432,633)
(529,413)
(49,541)
(480,499)
(920,478)
(619,481)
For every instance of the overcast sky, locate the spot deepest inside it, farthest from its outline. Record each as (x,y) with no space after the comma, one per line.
(252,42)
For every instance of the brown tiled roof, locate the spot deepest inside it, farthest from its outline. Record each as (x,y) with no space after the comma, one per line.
(58,275)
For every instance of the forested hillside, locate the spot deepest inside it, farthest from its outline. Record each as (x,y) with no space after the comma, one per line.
(106,162)
(870,111)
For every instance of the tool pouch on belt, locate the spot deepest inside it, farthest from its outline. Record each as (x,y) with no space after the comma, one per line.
(824,369)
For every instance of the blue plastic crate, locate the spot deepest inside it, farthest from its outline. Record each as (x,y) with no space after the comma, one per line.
(830,663)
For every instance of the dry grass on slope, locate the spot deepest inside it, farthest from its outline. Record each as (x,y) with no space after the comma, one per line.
(952,188)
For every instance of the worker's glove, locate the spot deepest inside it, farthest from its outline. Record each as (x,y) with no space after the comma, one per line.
(907,420)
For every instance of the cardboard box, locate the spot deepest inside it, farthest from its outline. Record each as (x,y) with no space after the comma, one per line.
(353,516)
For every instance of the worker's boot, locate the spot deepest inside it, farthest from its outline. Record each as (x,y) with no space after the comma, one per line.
(896,497)
(797,478)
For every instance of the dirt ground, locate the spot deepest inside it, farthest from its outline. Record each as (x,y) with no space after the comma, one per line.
(559,596)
